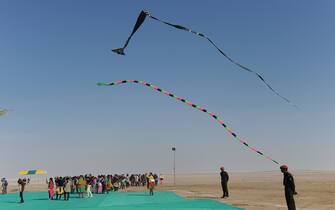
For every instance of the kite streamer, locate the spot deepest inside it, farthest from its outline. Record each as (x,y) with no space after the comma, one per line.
(144,14)
(167,93)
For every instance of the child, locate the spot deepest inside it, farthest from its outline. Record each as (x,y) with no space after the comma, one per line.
(89,192)
(161,179)
(116,185)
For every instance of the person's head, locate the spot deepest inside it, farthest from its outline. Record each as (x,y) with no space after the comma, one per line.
(222,168)
(284,168)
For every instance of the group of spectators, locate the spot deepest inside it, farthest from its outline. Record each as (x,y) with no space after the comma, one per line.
(101,184)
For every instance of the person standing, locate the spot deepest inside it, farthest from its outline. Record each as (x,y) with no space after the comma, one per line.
(51,188)
(81,186)
(60,187)
(67,188)
(288,182)
(22,184)
(224,182)
(104,184)
(88,190)
(151,184)
(4,185)
(109,185)
(161,179)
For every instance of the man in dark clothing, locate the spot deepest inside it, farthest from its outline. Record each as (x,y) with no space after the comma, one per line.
(288,182)
(22,184)
(224,181)
(60,188)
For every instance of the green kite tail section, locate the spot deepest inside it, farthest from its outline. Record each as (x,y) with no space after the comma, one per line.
(102,84)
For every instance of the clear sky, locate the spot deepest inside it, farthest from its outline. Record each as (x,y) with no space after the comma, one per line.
(52,53)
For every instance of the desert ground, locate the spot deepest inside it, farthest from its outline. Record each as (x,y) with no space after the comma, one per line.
(249,190)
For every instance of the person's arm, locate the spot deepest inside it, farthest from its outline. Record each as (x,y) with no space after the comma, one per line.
(292,184)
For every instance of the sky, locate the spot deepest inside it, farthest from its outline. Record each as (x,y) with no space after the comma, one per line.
(52,53)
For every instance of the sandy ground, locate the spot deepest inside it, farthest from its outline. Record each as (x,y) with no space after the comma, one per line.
(249,190)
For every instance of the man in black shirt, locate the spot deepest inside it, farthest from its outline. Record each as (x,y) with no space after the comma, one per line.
(288,182)
(60,188)
(224,181)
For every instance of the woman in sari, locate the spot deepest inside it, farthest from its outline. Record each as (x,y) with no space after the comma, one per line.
(51,188)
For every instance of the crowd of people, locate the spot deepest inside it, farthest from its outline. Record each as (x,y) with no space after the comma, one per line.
(87,185)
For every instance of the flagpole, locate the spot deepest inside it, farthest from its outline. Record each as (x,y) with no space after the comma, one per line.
(174,165)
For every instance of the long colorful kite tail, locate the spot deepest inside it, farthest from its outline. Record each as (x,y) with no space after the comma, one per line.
(167,93)
(144,14)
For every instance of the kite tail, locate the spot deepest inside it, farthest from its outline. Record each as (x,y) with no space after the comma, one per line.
(141,19)
(189,103)
(249,70)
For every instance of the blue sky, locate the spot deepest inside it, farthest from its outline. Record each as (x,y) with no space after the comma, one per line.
(53,52)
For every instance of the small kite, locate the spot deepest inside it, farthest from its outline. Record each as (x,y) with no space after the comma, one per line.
(4,111)
(167,93)
(144,14)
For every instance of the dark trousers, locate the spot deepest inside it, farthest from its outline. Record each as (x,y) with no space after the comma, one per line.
(289,200)
(21,197)
(66,196)
(224,189)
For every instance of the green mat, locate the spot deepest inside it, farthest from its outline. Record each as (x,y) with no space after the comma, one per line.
(115,200)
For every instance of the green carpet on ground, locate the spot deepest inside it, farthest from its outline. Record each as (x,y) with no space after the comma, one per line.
(115,200)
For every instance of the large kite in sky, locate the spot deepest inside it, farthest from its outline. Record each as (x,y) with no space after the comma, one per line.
(145,14)
(220,121)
